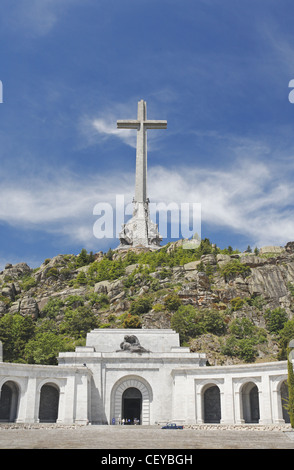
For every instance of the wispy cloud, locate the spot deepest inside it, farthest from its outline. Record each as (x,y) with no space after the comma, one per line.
(36,17)
(107,128)
(103,125)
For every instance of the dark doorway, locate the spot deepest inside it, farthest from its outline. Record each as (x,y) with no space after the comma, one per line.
(250,403)
(49,400)
(9,402)
(132,406)
(212,405)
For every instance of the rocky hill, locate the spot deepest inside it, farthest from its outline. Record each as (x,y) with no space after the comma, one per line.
(235,307)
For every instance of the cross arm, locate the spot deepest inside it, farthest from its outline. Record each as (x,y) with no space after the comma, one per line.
(129,124)
(155,124)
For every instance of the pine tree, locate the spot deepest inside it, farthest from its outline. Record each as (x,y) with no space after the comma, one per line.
(290,404)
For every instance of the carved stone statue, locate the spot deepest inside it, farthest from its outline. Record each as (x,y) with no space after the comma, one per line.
(131,344)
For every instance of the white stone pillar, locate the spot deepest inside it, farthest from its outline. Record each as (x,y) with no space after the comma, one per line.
(264,395)
(179,403)
(238,407)
(190,400)
(82,403)
(28,403)
(199,406)
(277,410)
(67,402)
(227,401)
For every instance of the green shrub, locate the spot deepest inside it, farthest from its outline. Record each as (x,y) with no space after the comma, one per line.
(52,308)
(81,278)
(132,321)
(237,303)
(190,322)
(83,259)
(243,339)
(74,301)
(15,332)
(52,272)
(102,300)
(5,299)
(28,282)
(78,322)
(141,305)
(256,301)
(45,347)
(158,307)
(244,349)
(172,302)
(291,288)
(234,268)
(285,336)
(275,319)
(290,404)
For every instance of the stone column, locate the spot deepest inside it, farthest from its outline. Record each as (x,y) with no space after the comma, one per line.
(67,402)
(264,395)
(179,402)
(199,406)
(227,401)
(239,419)
(28,403)
(82,403)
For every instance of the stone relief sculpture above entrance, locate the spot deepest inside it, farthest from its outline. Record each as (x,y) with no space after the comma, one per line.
(132,344)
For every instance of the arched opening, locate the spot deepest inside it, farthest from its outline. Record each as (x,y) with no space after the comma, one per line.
(284,398)
(49,401)
(122,385)
(250,403)
(9,401)
(212,404)
(132,406)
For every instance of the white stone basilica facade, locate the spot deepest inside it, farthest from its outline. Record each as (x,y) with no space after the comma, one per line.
(144,377)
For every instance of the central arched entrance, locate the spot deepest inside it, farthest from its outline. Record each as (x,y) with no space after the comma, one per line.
(132,406)
(131,397)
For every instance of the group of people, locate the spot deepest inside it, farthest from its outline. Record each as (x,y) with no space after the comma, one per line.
(130,421)
(125,421)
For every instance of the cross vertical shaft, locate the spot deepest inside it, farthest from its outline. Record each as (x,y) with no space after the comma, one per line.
(141,125)
(141,156)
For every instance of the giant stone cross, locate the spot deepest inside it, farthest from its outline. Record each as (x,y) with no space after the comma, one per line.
(140,230)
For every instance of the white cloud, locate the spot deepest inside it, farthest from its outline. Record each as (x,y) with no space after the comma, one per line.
(107,128)
(250,198)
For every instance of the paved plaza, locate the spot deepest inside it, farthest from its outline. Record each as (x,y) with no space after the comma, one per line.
(143,437)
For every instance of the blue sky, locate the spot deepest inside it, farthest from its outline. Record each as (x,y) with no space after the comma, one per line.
(217,71)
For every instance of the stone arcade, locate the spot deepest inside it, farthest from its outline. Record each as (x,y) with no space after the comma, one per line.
(143,376)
